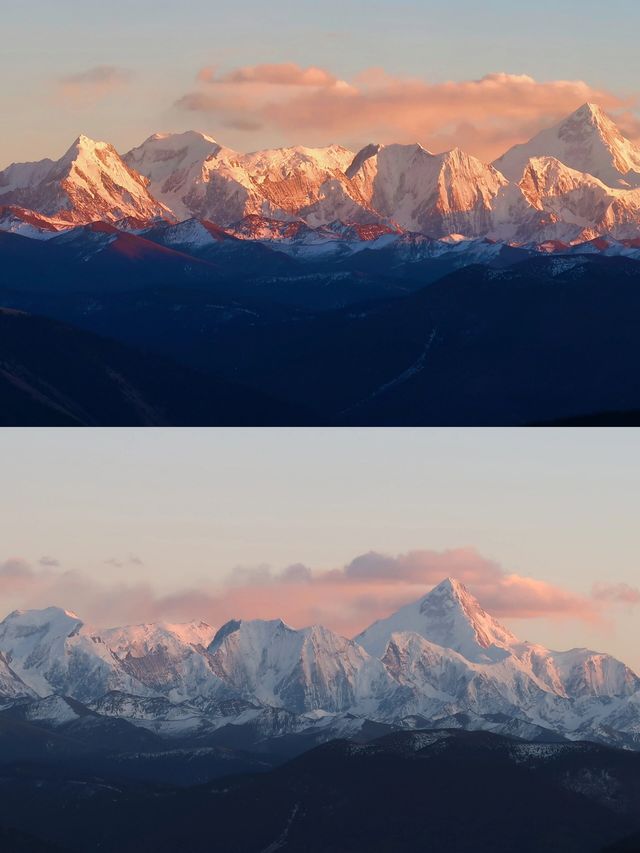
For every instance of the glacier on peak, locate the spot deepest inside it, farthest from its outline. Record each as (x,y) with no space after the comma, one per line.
(89,182)
(190,175)
(442,657)
(587,141)
(448,616)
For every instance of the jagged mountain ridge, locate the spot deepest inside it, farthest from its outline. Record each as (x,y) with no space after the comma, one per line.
(587,141)
(437,658)
(196,176)
(90,182)
(520,198)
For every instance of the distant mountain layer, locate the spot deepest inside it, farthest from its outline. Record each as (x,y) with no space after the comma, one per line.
(55,375)
(440,661)
(406,331)
(435,728)
(441,790)
(572,182)
(389,286)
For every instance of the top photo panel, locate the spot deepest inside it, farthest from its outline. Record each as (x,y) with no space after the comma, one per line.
(339,214)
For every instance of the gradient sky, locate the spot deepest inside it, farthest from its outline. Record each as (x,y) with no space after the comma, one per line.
(156,48)
(118,524)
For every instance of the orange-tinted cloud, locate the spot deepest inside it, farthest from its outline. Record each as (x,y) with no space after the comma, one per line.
(346,599)
(619,593)
(94,83)
(312,106)
(281,74)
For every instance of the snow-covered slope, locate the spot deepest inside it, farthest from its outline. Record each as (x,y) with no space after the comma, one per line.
(167,658)
(303,670)
(442,658)
(144,639)
(177,167)
(579,199)
(448,616)
(458,659)
(587,141)
(190,235)
(90,182)
(28,223)
(577,180)
(437,194)
(49,651)
(445,682)
(583,672)
(11,686)
(197,177)
(406,185)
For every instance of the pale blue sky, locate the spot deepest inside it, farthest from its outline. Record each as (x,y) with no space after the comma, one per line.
(558,506)
(165,43)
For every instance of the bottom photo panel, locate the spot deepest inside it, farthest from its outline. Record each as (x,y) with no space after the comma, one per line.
(319,640)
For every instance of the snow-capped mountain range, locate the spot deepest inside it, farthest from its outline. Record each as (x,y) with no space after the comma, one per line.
(439,661)
(571,183)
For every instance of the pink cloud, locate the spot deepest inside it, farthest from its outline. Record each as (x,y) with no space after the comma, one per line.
(483,116)
(282,74)
(346,599)
(94,83)
(620,593)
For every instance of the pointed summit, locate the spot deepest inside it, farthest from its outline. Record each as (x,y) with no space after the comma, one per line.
(450,587)
(83,149)
(586,141)
(456,620)
(590,111)
(303,670)
(84,141)
(449,616)
(89,183)
(56,620)
(435,194)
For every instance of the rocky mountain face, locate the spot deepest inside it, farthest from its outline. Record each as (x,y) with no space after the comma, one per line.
(570,183)
(451,193)
(442,658)
(89,183)
(49,651)
(11,685)
(307,670)
(196,177)
(587,141)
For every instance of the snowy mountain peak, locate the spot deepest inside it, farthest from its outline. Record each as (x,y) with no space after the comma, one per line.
(440,656)
(253,630)
(450,616)
(145,639)
(450,587)
(225,630)
(435,194)
(54,620)
(590,119)
(455,616)
(572,182)
(588,112)
(303,670)
(186,136)
(90,182)
(86,151)
(87,143)
(361,157)
(587,141)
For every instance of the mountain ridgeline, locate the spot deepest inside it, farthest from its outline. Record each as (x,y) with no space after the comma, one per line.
(324,286)
(572,182)
(442,661)
(158,737)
